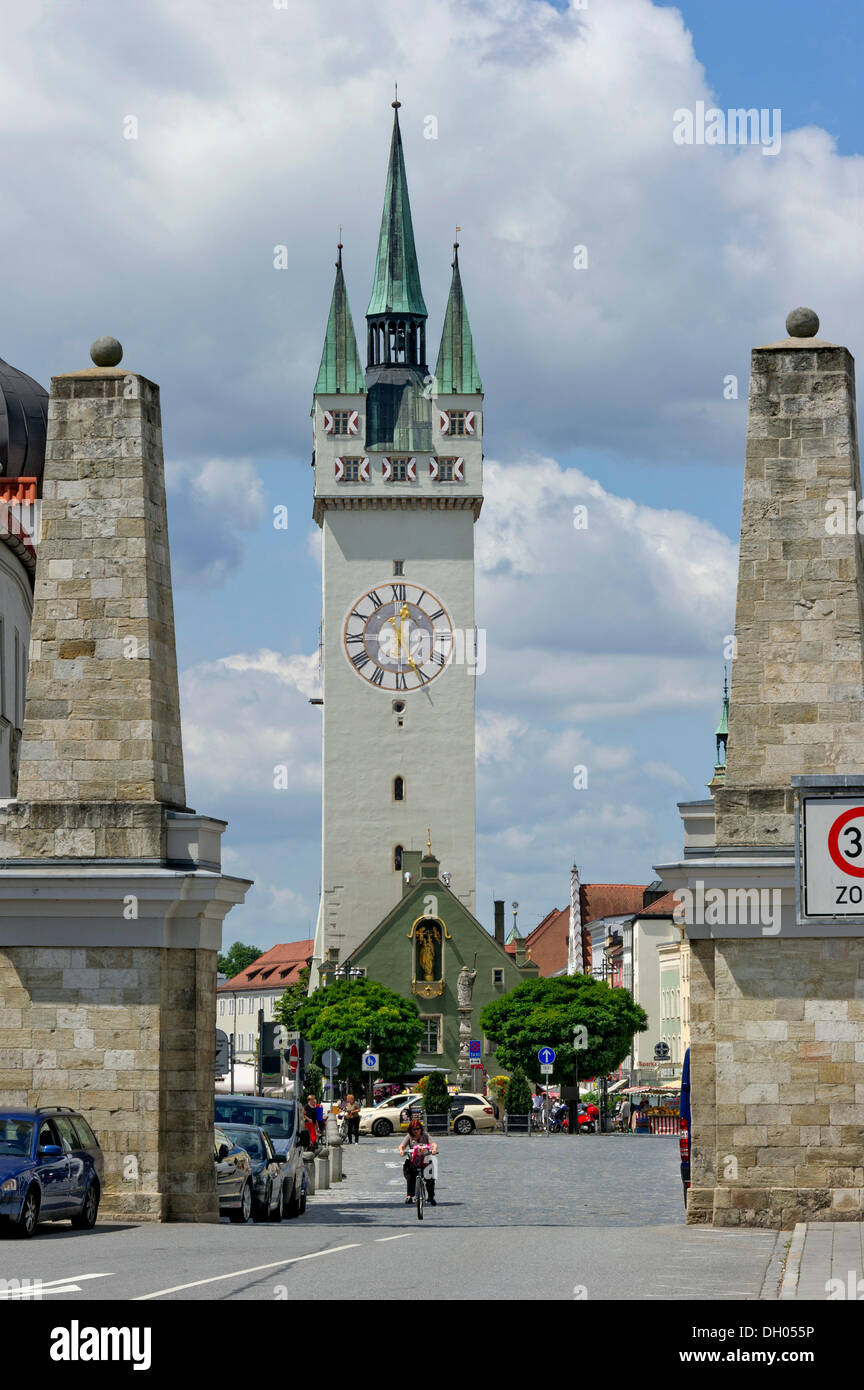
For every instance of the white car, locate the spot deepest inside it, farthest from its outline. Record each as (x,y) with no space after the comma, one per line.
(382,1119)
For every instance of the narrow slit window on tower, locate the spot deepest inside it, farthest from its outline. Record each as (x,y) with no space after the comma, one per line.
(397,859)
(398,566)
(398,789)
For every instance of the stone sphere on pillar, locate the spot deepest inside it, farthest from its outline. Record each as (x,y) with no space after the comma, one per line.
(106,352)
(802,323)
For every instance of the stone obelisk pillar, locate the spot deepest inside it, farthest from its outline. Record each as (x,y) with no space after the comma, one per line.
(777,1055)
(111,891)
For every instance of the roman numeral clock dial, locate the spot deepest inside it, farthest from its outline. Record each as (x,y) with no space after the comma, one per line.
(398,637)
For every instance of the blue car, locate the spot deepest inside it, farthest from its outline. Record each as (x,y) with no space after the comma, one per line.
(51,1169)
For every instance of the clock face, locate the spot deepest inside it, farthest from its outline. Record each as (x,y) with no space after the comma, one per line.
(398,636)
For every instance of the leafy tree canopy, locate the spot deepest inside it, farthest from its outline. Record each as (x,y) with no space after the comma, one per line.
(351,1015)
(239,958)
(547,1012)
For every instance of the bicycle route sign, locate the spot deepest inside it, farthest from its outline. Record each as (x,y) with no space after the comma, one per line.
(546,1056)
(830,859)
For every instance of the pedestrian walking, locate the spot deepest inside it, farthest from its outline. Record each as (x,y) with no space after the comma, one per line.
(313,1116)
(352,1116)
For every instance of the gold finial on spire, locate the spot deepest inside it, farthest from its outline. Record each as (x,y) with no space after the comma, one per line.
(339,250)
(429,838)
(456,247)
(396,103)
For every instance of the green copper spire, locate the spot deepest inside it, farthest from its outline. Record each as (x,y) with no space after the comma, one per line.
(457,369)
(721,734)
(340,368)
(396,289)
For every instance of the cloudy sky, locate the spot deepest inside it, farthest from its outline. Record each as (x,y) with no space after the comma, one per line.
(155,157)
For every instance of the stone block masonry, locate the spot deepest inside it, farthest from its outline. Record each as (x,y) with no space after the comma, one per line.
(103,720)
(797,689)
(126,1036)
(111,891)
(777,1013)
(777,1077)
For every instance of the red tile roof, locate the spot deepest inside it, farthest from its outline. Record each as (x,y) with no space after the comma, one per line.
(547,943)
(276,969)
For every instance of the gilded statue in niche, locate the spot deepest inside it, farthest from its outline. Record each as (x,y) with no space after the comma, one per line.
(427,962)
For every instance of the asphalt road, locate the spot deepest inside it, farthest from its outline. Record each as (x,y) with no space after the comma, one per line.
(596,1217)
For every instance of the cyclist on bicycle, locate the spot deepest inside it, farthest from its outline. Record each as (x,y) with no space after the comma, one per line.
(417,1138)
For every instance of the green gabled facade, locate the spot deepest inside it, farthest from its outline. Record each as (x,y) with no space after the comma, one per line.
(390,955)
(340,371)
(396,287)
(457,372)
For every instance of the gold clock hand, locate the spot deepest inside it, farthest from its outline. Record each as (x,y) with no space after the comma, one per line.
(398,630)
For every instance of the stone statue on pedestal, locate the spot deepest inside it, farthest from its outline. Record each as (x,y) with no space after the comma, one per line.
(464,991)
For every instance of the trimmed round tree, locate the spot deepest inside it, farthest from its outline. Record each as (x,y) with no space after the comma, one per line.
(353,1015)
(589,1024)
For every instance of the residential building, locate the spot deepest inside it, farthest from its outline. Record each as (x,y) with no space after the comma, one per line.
(259,986)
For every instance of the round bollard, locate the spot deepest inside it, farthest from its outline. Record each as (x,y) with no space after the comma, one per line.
(322,1170)
(309,1170)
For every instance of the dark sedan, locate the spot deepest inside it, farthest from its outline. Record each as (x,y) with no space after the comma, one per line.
(267,1169)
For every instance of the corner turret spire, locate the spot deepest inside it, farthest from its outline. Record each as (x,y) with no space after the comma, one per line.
(721,733)
(457,369)
(340,370)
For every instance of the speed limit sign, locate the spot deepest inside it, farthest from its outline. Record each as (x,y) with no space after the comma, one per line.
(831,857)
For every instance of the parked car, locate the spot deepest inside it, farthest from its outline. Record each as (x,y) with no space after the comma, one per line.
(51,1169)
(469,1111)
(233,1177)
(684,1133)
(268,1170)
(382,1119)
(283,1121)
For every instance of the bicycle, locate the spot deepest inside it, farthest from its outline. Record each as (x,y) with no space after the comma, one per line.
(419,1159)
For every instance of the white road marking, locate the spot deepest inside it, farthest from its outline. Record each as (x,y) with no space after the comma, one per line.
(65,1285)
(37,1294)
(379,1240)
(238,1273)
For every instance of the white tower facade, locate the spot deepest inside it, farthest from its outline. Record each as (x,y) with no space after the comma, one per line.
(398,486)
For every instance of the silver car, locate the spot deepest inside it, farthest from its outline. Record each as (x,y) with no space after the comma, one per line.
(283,1121)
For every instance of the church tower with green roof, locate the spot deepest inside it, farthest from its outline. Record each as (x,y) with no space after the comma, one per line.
(398,486)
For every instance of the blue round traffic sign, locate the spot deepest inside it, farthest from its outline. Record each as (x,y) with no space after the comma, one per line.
(546,1056)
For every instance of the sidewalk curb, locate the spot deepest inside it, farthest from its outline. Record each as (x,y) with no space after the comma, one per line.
(774,1272)
(789,1287)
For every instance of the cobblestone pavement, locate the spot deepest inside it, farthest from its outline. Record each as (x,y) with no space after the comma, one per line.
(502,1180)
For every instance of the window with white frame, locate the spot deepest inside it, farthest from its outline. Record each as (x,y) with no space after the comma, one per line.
(431,1041)
(241,1005)
(221,1008)
(341,422)
(399,470)
(351,470)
